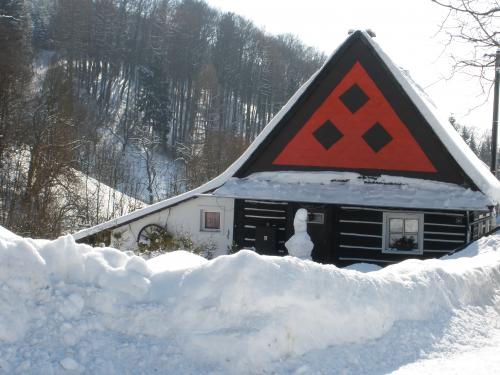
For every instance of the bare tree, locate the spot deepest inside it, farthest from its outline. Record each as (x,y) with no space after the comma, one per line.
(476,24)
(147,143)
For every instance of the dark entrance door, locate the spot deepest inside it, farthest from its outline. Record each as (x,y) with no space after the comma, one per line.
(320,229)
(261,225)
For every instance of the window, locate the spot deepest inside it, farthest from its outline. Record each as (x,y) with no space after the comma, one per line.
(210,221)
(316,218)
(403,233)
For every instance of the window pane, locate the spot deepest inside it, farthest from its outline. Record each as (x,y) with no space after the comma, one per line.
(404,243)
(396,225)
(412,240)
(212,220)
(411,225)
(394,240)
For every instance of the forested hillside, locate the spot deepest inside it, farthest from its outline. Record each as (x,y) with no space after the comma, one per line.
(151,97)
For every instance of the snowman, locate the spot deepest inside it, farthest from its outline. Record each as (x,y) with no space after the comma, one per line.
(300,244)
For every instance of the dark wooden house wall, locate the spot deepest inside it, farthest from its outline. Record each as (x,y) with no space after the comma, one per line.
(360,233)
(349,234)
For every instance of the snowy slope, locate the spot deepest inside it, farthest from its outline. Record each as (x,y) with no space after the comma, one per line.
(86,200)
(104,201)
(165,169)
(69,308)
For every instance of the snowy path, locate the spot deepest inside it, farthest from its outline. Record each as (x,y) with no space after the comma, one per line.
(466,343)
(484,360)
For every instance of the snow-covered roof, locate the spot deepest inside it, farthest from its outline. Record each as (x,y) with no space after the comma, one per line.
(477,171)
(353,189)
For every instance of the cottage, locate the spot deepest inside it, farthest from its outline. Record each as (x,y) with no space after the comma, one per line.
(360,146)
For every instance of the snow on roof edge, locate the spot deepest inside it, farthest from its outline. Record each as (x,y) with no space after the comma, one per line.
(477,171)
(350,188)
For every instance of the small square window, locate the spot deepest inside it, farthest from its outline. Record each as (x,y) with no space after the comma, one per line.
(316,218)
(210,221)
(403,233)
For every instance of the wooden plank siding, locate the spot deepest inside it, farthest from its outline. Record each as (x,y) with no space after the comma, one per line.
(355,233)
(444,233)
(360,232)
(360,235)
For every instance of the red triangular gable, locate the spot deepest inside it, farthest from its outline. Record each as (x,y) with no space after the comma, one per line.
(355,127)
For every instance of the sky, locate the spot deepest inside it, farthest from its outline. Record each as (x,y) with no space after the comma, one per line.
(407,30)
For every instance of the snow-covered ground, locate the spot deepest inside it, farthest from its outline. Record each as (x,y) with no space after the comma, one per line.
(67,308)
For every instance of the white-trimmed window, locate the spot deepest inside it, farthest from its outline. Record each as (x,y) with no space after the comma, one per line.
(403,233)
(210,220)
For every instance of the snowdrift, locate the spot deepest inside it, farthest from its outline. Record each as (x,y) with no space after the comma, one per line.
(67,307)
(4,233)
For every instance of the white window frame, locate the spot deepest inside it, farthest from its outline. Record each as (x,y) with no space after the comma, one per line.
(202,219)
(386,232)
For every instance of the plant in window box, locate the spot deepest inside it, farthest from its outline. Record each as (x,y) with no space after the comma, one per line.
(404,243)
